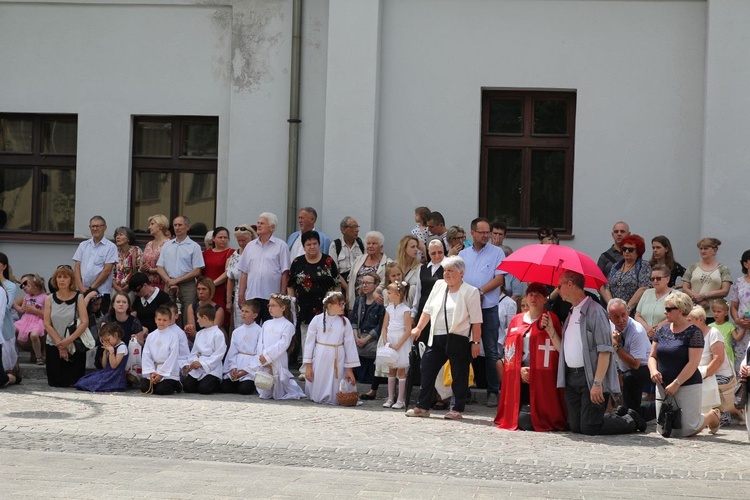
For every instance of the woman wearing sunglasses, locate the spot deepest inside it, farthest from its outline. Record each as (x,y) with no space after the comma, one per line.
(630,277)
(650,312)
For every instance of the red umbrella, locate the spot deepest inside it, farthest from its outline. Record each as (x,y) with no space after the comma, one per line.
(545,264)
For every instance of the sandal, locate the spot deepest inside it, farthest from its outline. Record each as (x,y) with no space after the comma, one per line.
(417,412)
(453,415)
(39,362)
(714,430)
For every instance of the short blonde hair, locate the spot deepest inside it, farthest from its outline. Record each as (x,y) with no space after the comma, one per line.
(161,221)
(681,301)
(697,312)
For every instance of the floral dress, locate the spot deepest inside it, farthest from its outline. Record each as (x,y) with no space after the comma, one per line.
(624,285)
(149,258)
(234,274)
(126,265)
(740,293)
(311,282)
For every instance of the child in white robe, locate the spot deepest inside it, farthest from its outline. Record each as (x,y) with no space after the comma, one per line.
(204,365)
(242,358)
(161,371)
(274,341)
(330,351)
(184,346)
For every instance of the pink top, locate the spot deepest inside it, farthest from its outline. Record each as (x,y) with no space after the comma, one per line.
(149,258)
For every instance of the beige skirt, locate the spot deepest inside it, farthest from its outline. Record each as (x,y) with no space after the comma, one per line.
(689,399)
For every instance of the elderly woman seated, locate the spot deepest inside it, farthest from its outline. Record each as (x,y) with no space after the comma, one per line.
(530,399)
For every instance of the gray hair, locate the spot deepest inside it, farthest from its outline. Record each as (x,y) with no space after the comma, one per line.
(345,222)
(184,218)
(127,232)
(310,210)
(376,235)
(617,302)
(207,239)
(271,218)
(455,262)
(435,241)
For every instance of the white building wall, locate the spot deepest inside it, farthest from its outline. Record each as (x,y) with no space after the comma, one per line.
(727,174)
(638,68)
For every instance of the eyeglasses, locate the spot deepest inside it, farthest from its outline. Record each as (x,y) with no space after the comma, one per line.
(242,228)
(462,238)
(24,284)
(657,278)
(481,232)
(628,249)
(353,226)
(64,266)
(96,226)
(368,282)
(669,309)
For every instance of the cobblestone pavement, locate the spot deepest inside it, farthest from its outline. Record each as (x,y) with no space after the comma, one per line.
(300,450)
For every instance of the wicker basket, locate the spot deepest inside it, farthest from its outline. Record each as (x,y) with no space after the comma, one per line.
(347,398)
(264,381)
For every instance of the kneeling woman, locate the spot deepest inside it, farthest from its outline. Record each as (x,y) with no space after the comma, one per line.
(530,399)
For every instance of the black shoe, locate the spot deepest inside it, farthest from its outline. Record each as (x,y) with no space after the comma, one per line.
(365,396)
(640,422)
(621,411)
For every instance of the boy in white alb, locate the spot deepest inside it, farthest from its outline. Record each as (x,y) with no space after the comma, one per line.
(242,358)
(161,370)
(204,365)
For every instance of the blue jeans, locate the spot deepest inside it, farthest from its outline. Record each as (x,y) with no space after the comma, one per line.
(490,330)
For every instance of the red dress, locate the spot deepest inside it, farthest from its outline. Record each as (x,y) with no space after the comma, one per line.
(215,265)
(547,402)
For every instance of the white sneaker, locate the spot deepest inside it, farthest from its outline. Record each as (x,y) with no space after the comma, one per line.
(398,405)
(388,403)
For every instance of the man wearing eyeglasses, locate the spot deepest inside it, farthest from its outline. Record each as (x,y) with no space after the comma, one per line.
(94,260)
(632,349)
(345,251)
(482,260)
(613,255)
(586,368)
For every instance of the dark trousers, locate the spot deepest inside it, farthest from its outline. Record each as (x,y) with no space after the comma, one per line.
(61,373)
(207,385)
(365,372)
(163,388)
(633,382)
(246,387)
(263,315)
(433,359)
(490,332)
(585,417)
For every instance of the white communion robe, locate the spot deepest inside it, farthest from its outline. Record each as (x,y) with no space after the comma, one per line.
(330,350)
(274,341)
(243,351)
(182,357)
(208,350)
(160,354)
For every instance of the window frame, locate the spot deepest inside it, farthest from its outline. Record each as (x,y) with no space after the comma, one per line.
(527,141)
(37,161)
(174,165)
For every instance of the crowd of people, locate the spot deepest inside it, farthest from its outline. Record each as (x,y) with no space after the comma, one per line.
(442,315)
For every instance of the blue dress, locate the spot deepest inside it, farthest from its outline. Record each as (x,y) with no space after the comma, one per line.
(107,379)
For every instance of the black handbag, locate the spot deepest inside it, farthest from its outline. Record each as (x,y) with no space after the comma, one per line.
(740,394)
(670,416)
(455,344)
(70,330)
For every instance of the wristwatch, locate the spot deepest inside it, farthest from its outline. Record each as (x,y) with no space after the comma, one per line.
(597,383)
(475,342)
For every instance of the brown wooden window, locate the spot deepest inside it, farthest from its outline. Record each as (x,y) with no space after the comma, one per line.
(37,172)
(174,170)
(526,174)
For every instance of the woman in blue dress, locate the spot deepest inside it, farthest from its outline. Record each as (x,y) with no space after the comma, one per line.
(111,377)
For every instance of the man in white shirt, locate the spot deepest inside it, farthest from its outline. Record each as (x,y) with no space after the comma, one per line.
(587,372)
(94,260)
(345,250)
(264,265)
(181,262)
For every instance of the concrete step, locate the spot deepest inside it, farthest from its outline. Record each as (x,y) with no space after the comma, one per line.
(31,371)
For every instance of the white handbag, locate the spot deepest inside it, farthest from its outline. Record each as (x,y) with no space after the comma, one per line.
(264,380)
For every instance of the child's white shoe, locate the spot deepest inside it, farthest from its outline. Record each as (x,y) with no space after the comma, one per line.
(388,404)
(398,405)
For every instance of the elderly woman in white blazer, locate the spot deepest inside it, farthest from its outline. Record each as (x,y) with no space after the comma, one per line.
(373,260)
(454,311)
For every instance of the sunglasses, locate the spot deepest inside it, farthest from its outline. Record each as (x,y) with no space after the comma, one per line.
(657,278)
(24,284)
(64,266)
(628,249)
(670,309)
(242,228)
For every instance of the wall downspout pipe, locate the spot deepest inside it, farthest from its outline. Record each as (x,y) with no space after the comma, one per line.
(294,119)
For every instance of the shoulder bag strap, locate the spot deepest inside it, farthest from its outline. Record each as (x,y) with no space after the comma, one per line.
(445,309)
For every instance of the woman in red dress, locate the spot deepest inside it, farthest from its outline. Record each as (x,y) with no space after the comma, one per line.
(215,258)
(530,399)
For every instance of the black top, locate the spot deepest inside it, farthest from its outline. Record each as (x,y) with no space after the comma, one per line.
(147,313)
(673,352)
(427,280)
